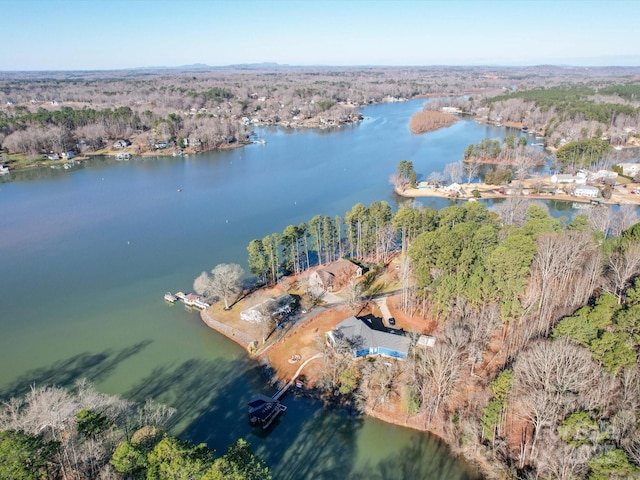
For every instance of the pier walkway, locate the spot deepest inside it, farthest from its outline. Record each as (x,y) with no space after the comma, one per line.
(284,389)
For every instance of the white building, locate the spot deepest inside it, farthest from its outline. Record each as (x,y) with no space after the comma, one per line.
(454,187)
(586,191)
(630,169)
(579,179)
(603,176)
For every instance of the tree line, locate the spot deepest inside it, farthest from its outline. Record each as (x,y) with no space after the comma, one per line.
(52,433)
(572,111)
(206,108)
(368,234)
(213,107)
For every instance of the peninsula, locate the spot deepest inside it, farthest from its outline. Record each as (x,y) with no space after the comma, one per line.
(452,321)
(540,188)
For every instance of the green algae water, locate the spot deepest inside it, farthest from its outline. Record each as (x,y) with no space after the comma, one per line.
(87,254)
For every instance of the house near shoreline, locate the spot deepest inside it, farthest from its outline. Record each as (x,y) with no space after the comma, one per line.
(630,169)
(586,191)
(366,341)
(454,187)
(578,179)
(602,176)
(336,275)
(271,307)
(121,144)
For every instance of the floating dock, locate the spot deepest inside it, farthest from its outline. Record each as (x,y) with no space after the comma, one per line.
(169,297)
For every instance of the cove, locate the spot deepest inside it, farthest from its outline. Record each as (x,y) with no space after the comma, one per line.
(87,254)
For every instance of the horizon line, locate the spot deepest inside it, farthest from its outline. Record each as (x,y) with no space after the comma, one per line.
(202,66)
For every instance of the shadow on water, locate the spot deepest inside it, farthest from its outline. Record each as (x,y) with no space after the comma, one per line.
(210,398)
(92,366)
(426,457)
(324,447)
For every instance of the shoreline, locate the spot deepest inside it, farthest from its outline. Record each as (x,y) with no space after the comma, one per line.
(488,192)
(292,341)
(110,153)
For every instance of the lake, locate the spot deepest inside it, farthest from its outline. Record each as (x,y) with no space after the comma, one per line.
(87,254)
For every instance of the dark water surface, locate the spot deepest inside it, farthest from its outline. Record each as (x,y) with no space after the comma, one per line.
(87,254)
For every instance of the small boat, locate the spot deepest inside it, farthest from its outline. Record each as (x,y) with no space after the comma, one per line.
(4,170)
(123,156)
(169,297)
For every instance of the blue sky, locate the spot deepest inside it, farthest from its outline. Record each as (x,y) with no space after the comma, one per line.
(115,34)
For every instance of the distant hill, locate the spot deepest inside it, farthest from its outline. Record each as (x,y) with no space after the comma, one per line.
(204,66)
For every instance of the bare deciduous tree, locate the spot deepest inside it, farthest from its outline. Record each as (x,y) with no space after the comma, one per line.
(625,217)
(454,171)
(622,266)
(561,274)
(513,210)
(437,371)
(354,293)
(202,285)
(225,281)
(551,379)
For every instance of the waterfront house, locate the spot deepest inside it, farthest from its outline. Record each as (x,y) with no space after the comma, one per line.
(121,144)
(630,169)
(271,307)
(365,340)
(335,275)
(586,191)
(579,179)
(606,176)
(68,155)
(4,169)
(454,187)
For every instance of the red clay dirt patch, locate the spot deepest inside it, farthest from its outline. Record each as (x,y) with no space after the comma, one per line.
(409,323)
(305,340)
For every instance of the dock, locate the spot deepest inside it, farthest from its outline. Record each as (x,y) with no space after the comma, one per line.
(190,300)
(286,387)
(264,410)
(169,297)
